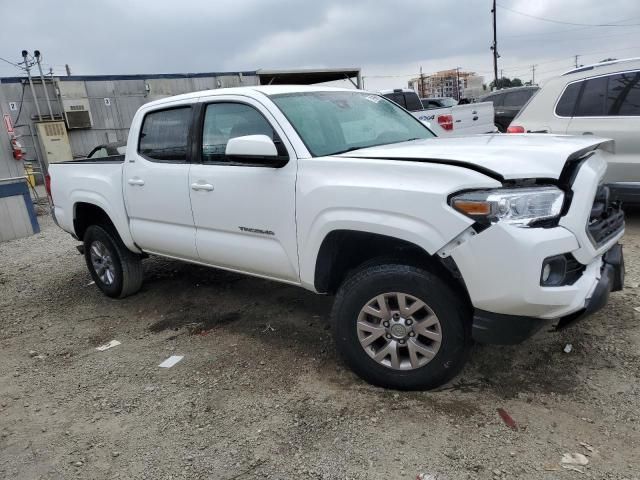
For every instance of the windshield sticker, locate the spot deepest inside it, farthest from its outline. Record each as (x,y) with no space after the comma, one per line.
(373,98)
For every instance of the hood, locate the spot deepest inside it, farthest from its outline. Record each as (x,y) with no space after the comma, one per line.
(503,156)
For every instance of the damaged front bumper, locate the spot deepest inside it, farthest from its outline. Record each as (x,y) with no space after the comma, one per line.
(496,328)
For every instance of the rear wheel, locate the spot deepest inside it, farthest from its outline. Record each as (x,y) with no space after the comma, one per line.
(399,326)
(116,270)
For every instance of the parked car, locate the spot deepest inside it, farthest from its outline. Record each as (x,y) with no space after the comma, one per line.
(603,100)
(446,121)
(108,149)
(508,102)
(426,243)
(438,102)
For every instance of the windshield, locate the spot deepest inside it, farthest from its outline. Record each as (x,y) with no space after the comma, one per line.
(336,122)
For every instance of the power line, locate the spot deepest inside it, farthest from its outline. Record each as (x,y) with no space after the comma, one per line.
(568,23)
(10,63)
(566,30)
(524,68)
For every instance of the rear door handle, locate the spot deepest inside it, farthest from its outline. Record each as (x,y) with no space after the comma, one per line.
(587,133)
(207,187)
(135,181)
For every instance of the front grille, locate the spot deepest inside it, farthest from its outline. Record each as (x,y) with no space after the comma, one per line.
(606,219)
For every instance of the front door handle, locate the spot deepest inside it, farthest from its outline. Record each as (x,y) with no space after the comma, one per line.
(587,133)
(136,182)
(207,187)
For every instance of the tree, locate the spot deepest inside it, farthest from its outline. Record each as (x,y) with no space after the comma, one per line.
(506,82)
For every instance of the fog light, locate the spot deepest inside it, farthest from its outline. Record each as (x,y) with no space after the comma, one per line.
(554,270)
(546,273)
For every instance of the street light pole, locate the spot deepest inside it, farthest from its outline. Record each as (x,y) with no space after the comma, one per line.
(495,47)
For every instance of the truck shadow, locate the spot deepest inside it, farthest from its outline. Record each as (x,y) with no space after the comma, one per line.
(287,322)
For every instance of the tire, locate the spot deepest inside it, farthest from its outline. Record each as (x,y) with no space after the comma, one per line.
(124,274)
(409,285)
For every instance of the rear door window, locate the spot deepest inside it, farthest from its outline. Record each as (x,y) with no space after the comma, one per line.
(398,98)
(516,99)
(496,99)
(593,99)
(164,136)
(623,94)
(567,103)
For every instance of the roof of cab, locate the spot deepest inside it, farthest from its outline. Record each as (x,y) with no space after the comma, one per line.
(249,91)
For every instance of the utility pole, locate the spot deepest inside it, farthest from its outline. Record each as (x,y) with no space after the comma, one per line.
(36,53)
(421,84)
(577,60)
(495,48)
(458,83)
(25,54)
(66,67)
(533,74)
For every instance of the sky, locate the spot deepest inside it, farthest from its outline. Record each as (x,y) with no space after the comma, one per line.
(390,40)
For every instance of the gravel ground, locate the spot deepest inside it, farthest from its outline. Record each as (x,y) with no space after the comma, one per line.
(261,394)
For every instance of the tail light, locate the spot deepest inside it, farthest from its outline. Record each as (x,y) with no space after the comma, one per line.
(16,147)
(47,185)
(515,129)
(446,122)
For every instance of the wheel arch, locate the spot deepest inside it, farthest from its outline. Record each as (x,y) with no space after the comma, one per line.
(86,213)
(343,251)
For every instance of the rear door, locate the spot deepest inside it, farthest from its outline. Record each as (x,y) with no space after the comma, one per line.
(244,212)
(156,183)
(609,107)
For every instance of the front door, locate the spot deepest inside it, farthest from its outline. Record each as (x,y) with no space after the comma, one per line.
(244,213)
(156,184)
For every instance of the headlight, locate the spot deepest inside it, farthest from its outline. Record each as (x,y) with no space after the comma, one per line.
(516,206)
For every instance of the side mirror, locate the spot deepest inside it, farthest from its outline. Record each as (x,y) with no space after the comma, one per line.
(255,149)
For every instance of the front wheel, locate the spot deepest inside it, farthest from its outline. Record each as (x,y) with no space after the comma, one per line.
(398,326)
(116,270)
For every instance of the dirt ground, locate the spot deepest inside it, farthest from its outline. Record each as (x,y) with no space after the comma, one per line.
(261,394)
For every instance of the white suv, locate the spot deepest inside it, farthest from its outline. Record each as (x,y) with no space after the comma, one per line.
(602,100)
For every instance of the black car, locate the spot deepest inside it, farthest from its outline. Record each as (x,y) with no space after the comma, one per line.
(507,103)
(108,149)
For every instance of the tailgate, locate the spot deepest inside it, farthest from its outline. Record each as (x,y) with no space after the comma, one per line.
(473,118)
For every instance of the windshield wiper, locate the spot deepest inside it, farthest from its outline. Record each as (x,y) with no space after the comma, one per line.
(350,149)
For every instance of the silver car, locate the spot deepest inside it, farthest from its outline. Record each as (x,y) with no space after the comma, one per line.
(602,100)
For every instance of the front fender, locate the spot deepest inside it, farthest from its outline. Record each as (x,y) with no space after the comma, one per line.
(403,227)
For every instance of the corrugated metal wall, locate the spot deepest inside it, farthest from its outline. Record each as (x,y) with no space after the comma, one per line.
(126,93)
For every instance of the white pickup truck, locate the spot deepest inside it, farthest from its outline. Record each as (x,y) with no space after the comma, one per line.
(426,243)
(457,120)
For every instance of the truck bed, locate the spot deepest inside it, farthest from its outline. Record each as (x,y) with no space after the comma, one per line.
(85,161)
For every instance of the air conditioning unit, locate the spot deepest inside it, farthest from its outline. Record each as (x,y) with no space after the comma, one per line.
(77,113)
(54,141)
(75,103)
